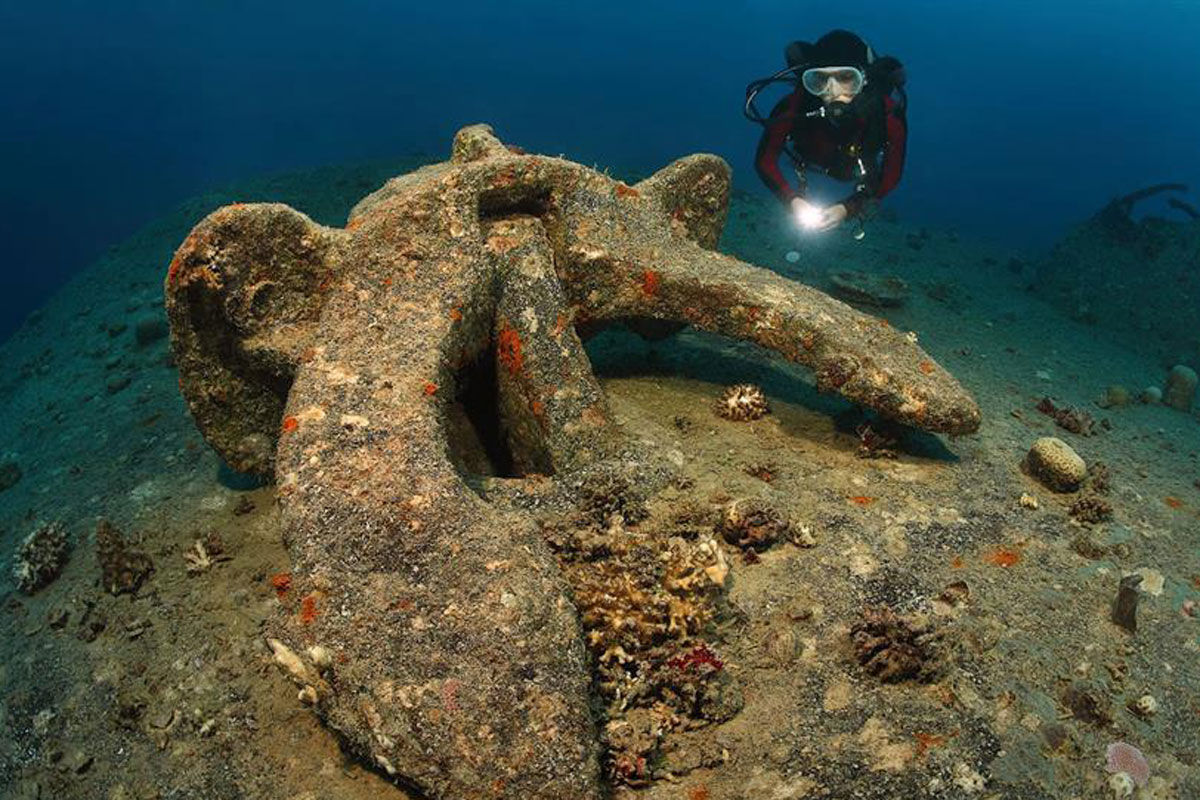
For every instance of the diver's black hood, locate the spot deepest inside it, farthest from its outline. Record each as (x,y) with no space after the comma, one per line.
(838,48)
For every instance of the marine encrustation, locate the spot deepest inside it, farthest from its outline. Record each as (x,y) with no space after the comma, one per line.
(441,643)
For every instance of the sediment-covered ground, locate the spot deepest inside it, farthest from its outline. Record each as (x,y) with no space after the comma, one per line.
(933,624)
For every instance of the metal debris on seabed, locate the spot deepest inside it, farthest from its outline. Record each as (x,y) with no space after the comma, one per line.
(1124,613)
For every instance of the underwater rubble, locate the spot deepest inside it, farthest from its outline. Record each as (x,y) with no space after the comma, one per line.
(1131,278)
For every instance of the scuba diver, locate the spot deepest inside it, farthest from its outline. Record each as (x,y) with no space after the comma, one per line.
(845,117)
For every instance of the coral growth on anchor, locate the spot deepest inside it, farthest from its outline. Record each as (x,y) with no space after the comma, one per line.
(638,591)
(340,361)
(648,597)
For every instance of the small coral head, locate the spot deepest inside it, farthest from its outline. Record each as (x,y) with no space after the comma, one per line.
(1123,757)
(742,402)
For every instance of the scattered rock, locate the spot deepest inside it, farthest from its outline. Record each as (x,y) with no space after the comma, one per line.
(1145,706)
(1069,418)
(91,624)
(1087,705)
(10,474)
(954,597)
(765,472)
(1115,396)
(1181,388)
(1091,509)
(1152,583)
(802,536)
(116,383)
(57,618)
(1099,477)
(894,648)
(40,558)
(881,291)
(122,570)
(1095,543)
(149,330)
(1121,785)
(1053,462)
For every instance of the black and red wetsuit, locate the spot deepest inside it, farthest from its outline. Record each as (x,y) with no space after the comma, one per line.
(878,139)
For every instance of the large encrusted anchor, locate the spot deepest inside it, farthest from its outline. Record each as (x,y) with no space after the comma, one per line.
(432,629)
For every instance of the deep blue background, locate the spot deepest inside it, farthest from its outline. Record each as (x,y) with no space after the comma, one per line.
(1025,116)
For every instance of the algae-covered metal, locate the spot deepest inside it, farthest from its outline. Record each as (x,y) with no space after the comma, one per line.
(330,358)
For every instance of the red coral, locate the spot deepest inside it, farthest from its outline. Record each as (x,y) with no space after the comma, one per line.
(282,582)
(699,656)
(1003,557)
(308,608)
(509,350)
(173,270)
(651,281)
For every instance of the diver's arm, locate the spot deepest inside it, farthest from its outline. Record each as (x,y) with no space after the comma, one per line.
(770,148)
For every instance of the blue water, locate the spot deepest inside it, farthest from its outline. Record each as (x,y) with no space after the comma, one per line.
(1025,116)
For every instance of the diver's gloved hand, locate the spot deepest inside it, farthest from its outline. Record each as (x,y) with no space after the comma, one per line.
(814,218)
(832,217)
(806,214)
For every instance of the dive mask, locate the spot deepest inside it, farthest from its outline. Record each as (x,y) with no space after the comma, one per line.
(823,81)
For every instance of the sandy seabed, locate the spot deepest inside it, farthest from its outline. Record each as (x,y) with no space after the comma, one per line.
(172,693)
